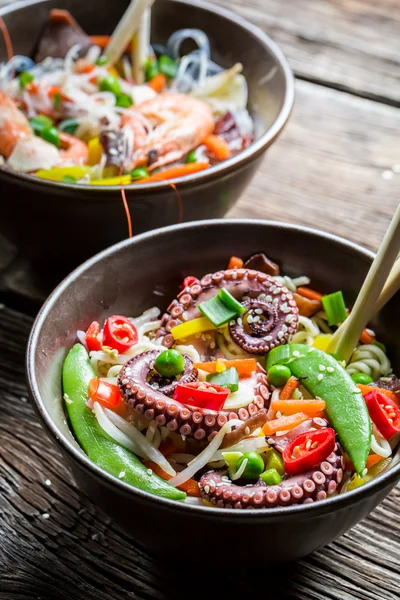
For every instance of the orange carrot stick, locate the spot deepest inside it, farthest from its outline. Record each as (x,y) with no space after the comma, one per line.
(309,293)
(235,263)
(244,366)
(291,385)
(284,423)
(158,82)
(218,146)
(372,460)
(291,407)
(191,487)
(366,338)
(173,172)
(365,389)
(102,41)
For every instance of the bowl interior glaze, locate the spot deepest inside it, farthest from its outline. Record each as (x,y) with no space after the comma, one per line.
(135,275)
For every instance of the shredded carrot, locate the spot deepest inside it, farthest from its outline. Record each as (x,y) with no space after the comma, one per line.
(291,385)
(180,203)
(32,88)
(235,263)
(291,407)
(191,487)
(284,423)
(365,389)
(244,366)
(174,172)
(366,337)
(127,212)
(85,68)
(158,82)
(372,460)
(102,41)
(309,293)
(7,39)
(218,146)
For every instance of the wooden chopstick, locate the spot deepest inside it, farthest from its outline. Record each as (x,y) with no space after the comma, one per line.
(392,285)
(345,339)
(140,47)
(128,25)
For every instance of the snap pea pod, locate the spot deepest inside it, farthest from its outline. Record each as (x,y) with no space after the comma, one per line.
(101,449)
(324,378)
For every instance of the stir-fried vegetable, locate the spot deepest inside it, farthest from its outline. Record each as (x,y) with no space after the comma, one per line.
(384,413)
(335,308)
(308,449)
(170,363)
(119,333)
(229,378)
(202,395)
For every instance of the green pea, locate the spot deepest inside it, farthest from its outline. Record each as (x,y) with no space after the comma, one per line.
(40,122)
(25,79)
(362,378)
(151,68)
(380,345)
(170,363)
(51,135)
(101,61)
(271,477)
(168,66)
(124,101)
(278,375)
(275,461)
(139,173)
(254,466)
(110,84)
(69,126)
(68,179)
(191,157)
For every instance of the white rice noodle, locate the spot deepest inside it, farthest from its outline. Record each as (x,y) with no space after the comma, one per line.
(320,321)
(240,471)
(190,352)
(146,317)
(243,396)
(307,332)
(81,335)
(70,58)
(251,444)
(369,359)
(205,456)
(302,280)
(147,327)
(379,445)
(147,450)
(93,54)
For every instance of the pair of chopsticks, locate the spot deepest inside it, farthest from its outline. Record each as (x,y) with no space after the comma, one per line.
(381,283)
(135,17)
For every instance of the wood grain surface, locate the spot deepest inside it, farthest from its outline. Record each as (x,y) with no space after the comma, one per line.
(337,167)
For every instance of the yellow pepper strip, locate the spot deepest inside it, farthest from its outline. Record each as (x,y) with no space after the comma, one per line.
(58,173)
(95,151)
(220,366)
(192,327)
(123,180)
(322,341)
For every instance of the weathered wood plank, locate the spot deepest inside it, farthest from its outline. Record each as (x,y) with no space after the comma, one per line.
(332,167)
(348,44)
(55,544)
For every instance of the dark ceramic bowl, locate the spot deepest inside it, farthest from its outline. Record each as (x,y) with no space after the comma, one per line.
(122,280)
(60,225)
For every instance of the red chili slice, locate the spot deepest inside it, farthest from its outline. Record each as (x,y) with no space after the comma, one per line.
(92,337)
(384,413)
(105,393)
(308,449)
(188,281)
(201,395)
(119,333)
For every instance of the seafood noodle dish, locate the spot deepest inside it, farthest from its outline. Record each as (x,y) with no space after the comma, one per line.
(232,398)
(69,115)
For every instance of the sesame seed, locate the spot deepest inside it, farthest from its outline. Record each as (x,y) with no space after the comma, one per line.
(363,474)
(288,318)
(46,516)
(239,322)
(268,298)
(321,368)
(207,489)
(296,353)
(284,328)
(320,377)
(276,291)
(258,311)
(122,474)
(149,472)
(280,335)
(247,430)
(330,369)
(212,345)
(256,319)
(48,482)
(268,338)
(314,445)
(250,319)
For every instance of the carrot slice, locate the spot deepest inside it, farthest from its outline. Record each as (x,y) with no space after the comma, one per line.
(291,407)
(365,389)
(218,146)
(366,338)
(158,82)
(173,172)
(291,385)
(191,487)
(372,460)
(235,263)
(244,366)
(309,293)
(284,423)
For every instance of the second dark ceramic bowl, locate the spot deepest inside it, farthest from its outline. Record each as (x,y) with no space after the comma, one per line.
(59,225)
(146,271)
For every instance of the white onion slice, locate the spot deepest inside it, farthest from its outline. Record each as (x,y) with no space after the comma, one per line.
(380,446)
(146,448)
(240,470)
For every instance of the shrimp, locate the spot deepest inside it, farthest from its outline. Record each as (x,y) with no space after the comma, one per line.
(24,151)
(73,149)
(180,124)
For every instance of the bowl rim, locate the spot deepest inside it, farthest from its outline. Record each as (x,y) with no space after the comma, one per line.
(78,456)
(255,149)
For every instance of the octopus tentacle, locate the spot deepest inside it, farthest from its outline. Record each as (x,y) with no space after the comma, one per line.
(271,316)
(152,400)
(305,488)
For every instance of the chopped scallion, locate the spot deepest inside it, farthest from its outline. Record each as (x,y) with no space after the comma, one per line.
(217,311)
(230,301)
(228,378)
(334,308)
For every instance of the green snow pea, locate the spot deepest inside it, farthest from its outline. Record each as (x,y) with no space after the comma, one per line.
(101,449)
(324,378)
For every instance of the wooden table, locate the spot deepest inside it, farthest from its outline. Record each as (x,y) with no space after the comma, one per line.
(337,167)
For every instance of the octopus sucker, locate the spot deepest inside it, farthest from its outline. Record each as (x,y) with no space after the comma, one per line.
(271,314)
(304,488)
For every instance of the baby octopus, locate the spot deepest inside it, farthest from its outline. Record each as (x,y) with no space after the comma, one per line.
(271,315)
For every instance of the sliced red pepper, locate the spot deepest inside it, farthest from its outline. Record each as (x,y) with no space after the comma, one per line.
(384,413)
(105,393)
(201,395)
(92,337)
(188,281)
(308,449)
(119,333)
